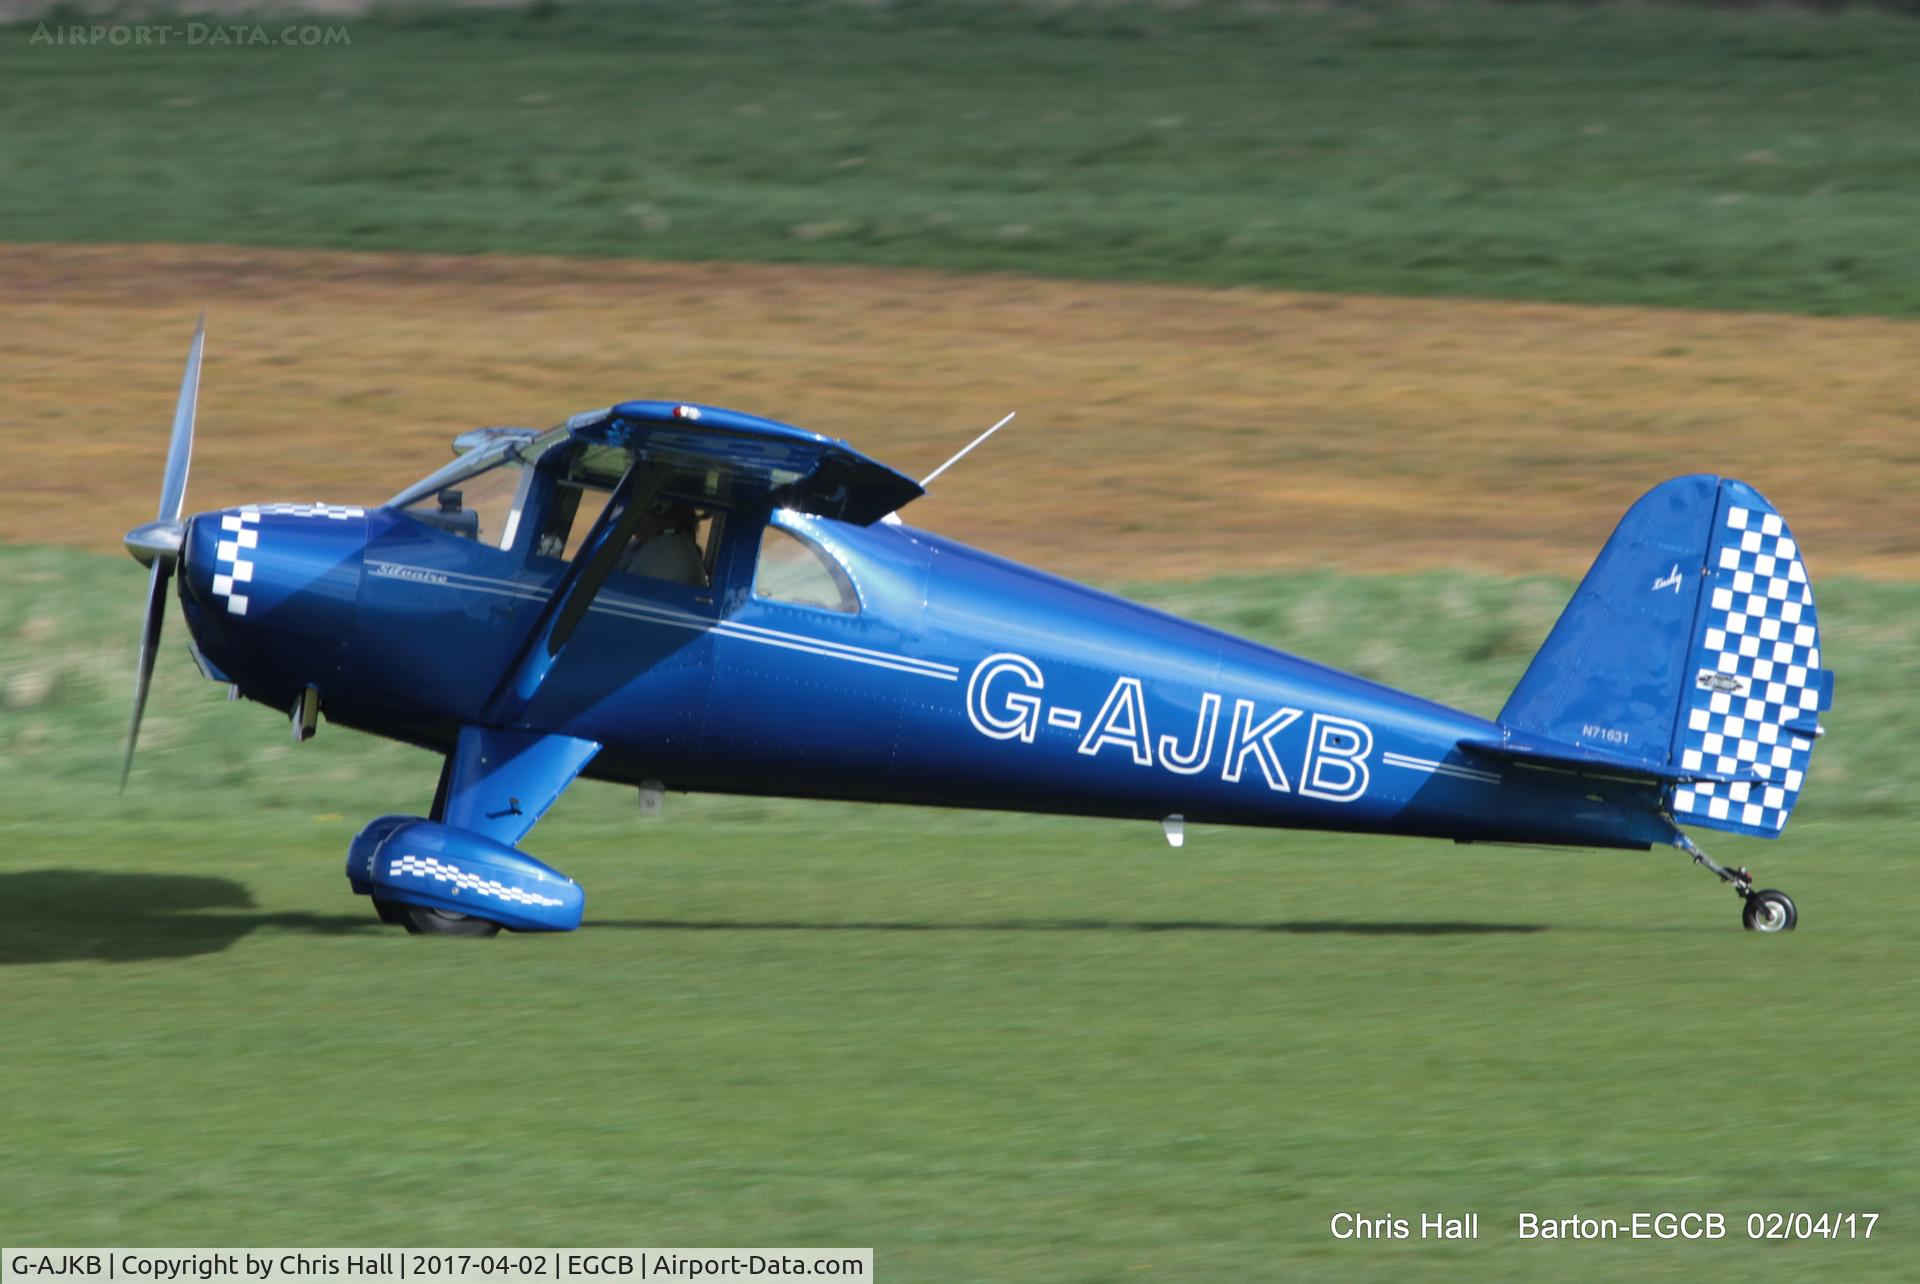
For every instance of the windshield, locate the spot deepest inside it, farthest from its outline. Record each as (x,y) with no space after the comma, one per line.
(480,495)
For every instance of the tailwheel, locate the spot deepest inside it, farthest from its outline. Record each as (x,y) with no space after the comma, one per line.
(1769,911)
(421,921)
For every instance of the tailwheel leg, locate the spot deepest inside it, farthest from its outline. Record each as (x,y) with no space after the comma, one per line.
(1765,910)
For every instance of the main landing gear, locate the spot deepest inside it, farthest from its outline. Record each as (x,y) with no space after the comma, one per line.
(1766,910)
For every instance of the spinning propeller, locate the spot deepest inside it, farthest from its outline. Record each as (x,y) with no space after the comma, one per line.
(157,543)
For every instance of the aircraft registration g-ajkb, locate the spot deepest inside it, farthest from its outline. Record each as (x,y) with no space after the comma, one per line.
(681,597)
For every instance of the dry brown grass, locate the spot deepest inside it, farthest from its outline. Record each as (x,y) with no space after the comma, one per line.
(1164,431)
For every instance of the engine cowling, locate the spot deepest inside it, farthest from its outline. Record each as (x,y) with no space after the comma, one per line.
(411,861)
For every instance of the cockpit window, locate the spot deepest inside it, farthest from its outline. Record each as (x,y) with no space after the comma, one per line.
(793,569)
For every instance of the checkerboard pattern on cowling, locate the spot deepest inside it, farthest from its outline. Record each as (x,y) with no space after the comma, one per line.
(428,867)
(1755,668)
(240,536)
(338,512)
(232,565)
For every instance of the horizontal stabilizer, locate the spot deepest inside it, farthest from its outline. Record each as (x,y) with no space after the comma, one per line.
(1559,755)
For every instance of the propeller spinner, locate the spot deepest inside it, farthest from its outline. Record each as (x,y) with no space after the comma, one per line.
(157,543)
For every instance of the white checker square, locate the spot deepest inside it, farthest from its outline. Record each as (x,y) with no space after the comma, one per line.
(1683,800)
(1736,623)
(1775,796)
(1737,518)
(1720,702)
(229,523)
(1750,542)
(1743,582)
(1726,766)
(1762,670)
(1797,573)
(237,604)
(1782,757)
(1716,639)
(1776,693)
(225,551)
(1756,711)
(1769,733)
(1769,629)
(1757,604)
(1784,549)
(1728,663)
(1777,590)
(1770,524)
(1749,751)
(1750,815)
(1734,727)
(1796,675)
(243,572)
(1739,792)
(1790,612)
(1713,742)
(1803,636)
(222,585)
(1722,599)
(1763,565)
(1729,558)
(1697,720)
(1690,759)
(1749,646)
(1783,652)
(249,538)
(1793,781)
(1809,699)
(1717,809)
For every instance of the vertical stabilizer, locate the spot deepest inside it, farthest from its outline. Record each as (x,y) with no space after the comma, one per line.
(1691,647)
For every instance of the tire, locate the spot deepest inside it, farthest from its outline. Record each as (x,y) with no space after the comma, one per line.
(433,922)
(1770,911)
(390,912)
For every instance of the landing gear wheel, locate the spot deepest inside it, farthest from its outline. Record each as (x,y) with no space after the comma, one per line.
(433,922)
(389,912)
(1770,911)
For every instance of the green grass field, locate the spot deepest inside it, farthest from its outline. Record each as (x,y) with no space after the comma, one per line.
(992,1047)
(1594,154)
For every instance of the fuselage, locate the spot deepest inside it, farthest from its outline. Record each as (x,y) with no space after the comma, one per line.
(962,679)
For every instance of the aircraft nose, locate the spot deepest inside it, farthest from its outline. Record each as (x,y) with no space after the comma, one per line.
(271,588)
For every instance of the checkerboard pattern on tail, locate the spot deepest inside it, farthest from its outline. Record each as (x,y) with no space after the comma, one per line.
(1757,686)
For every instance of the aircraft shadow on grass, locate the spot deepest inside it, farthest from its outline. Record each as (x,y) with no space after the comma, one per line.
(71,915)
(1308,927)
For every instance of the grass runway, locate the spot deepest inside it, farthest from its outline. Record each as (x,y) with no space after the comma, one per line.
(992,1046)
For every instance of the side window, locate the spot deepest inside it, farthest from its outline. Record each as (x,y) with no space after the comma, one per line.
(793,570)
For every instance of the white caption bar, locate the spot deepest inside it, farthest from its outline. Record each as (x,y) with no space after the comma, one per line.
(386,1265)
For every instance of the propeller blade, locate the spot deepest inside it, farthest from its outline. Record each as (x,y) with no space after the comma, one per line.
(149,648)
(173,490)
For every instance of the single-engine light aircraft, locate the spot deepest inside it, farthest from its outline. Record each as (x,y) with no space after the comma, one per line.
(675,596)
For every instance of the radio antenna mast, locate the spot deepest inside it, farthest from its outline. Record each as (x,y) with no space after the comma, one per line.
(928,479)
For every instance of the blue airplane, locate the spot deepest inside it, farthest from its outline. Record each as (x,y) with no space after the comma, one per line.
(680,597)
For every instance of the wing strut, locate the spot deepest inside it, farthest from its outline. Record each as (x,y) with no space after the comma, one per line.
(598,555)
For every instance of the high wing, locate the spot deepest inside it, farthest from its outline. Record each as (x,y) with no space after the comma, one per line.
(724,455)
(797,469)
